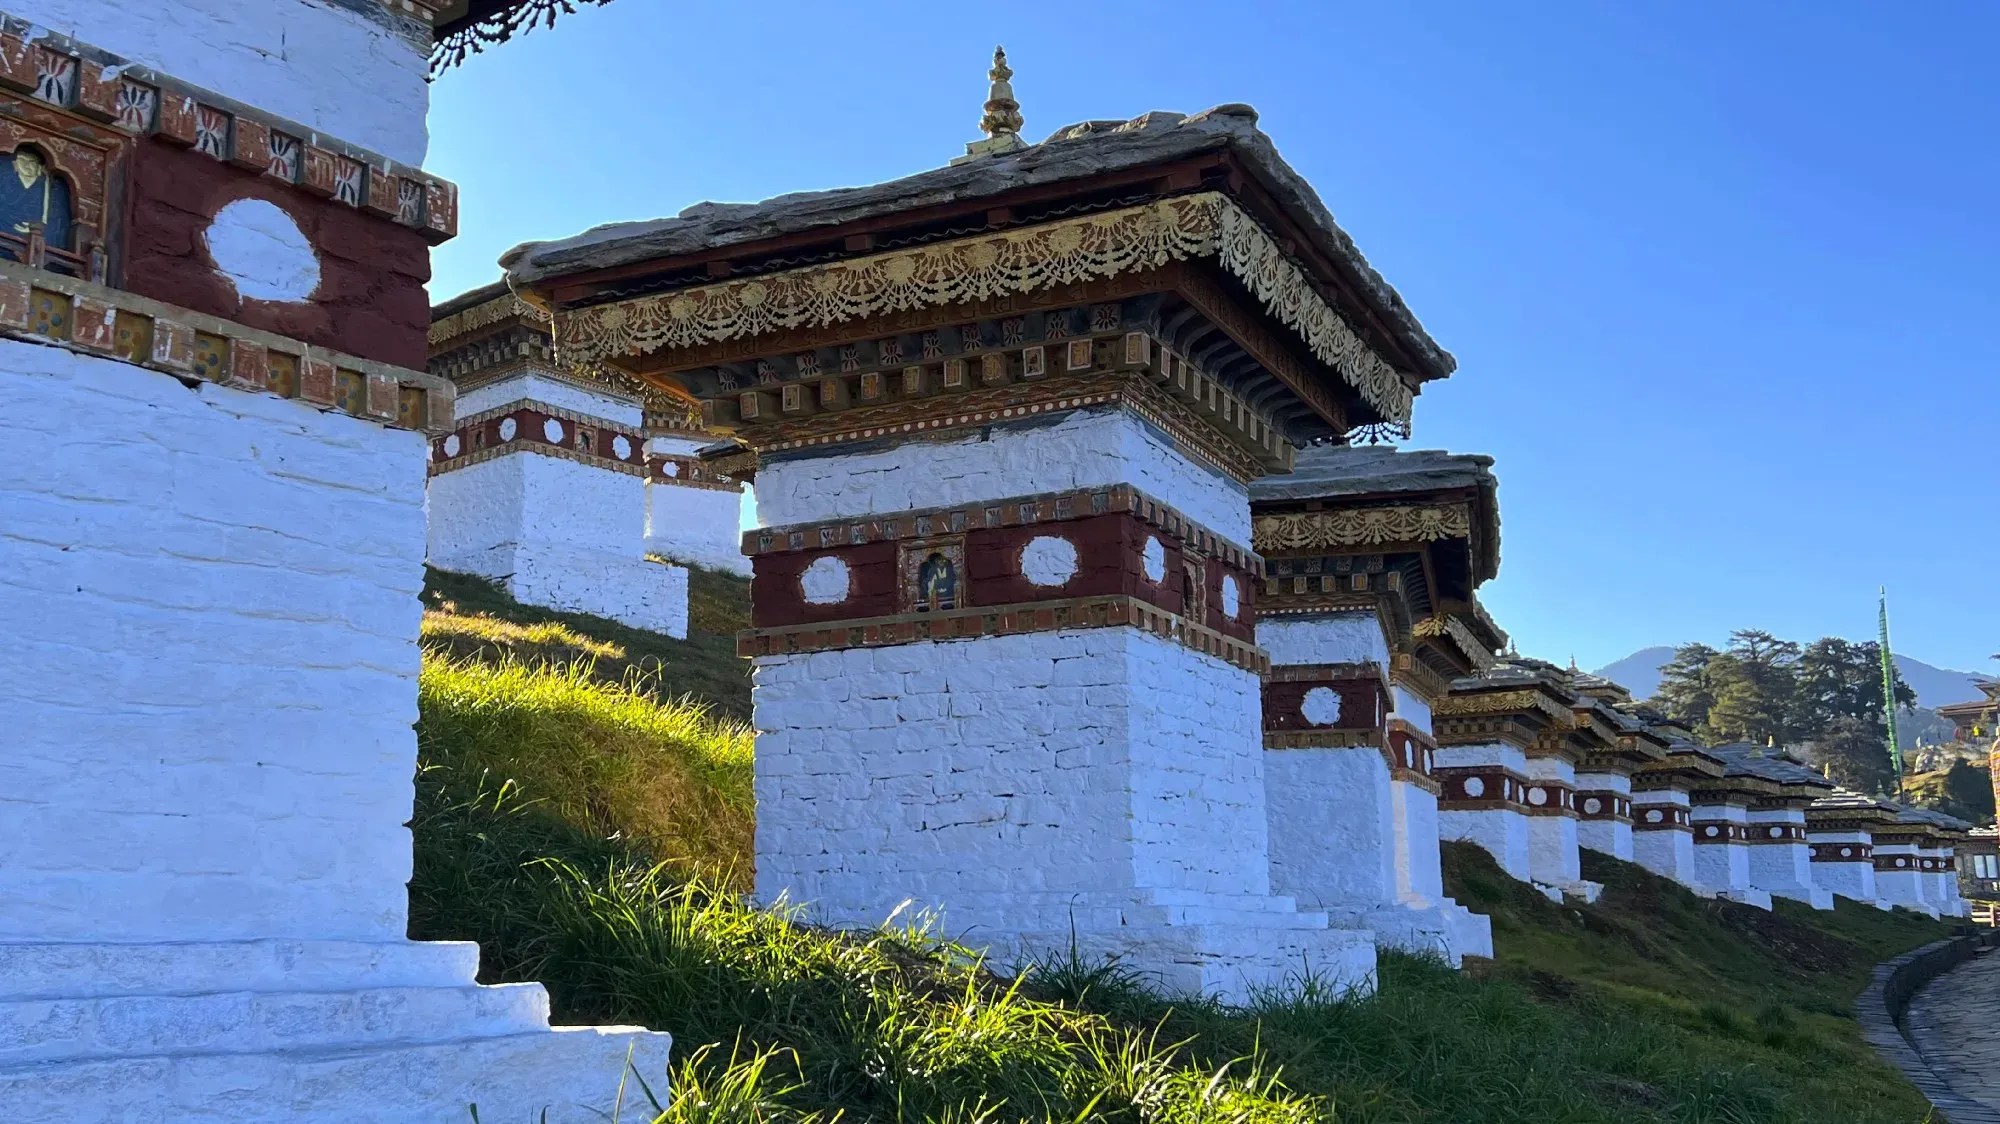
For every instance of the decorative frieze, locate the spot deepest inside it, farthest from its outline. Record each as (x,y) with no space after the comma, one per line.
(1019,511)
(1910,864)
(971,623)
(1480,788)
(61,74)
(1320,705)
(1770,833)
(1362,526)
(1662,817)
(527,426)
(46,308)
(1603,804)
(1843,853)
(679,471)
(1720,832)
(1549,798)
(1072,251)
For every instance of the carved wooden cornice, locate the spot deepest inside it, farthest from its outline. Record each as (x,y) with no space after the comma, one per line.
(1444,626)
(1361,526)
(1206,225)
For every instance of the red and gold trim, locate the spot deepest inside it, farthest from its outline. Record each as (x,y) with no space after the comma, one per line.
(1774,833)
(1603,804)
(1661,817)
(57,72)
(536,427)
(1549,798)
(1910,864)
(1412,756)
(1020,511)
(972,623)
(46,308)
(1842,853)
(1480,788)
(687,472)
(1359,701)
(1720,831)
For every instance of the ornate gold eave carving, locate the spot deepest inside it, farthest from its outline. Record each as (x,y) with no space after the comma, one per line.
(1203,225)
(1360,526)
(1460,634)
(1503,702)
(496,311)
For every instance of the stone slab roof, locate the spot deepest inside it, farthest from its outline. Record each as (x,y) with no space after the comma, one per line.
(1327,471)
(1757,761)
(1077,152)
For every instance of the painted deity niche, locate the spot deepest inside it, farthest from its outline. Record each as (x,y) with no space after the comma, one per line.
(937,584)
(931,572)
(36,210)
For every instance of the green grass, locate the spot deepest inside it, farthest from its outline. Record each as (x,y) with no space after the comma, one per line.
(469,618)
(549,796)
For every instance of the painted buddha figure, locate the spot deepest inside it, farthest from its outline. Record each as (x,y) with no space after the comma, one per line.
(31,192)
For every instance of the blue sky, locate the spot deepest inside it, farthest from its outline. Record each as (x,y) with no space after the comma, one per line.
(1720,277)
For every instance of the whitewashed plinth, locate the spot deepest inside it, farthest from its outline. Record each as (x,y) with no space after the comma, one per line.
(698,526)
(1784,869)
(1722,866)
(212,604)
(559,535)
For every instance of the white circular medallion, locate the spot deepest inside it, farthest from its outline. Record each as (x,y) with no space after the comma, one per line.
(508,428)
(553,431)
(672,469)
(621,447)
(1048,561)
(1538,796)
(261,251)
(1232,598)
(1709,831)
(451,445)
(1846,852)
(825,582)
(1321,706)
(1777,833)
(1654,815)
(1154,558)
(1593,805)
(1474,787)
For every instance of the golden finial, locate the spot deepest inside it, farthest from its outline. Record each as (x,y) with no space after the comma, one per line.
(1002,120)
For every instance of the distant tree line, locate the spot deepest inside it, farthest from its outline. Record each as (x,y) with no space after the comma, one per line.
(1824,697)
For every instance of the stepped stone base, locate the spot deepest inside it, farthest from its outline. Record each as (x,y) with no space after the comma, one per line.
(256,1031)
(1816,896)
(1583,890)
(1444,928)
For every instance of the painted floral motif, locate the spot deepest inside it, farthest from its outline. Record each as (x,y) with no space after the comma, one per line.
(55,76)
(409,202)
(348,178)
(136,106)
(286,155)
(211,132)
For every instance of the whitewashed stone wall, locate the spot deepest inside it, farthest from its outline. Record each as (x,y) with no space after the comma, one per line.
(1611,837)
(1784,869)
(1082,450)
(1347,838)
(556,533)
(698,525)
(1723,869)
(210,680)
(332,65)
(1503,833)
(1667,853)
(1102,780)
(1553,858)
(1902,887)
(1854,880)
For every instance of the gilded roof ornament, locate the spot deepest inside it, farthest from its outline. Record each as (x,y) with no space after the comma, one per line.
(1002,120)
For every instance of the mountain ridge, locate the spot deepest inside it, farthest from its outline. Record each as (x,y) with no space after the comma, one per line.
(1639,673)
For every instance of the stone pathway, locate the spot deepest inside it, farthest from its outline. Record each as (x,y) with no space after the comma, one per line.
(1955,1024)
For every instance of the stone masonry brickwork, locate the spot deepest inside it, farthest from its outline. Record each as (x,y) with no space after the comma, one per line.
(1082,450)
(245,570)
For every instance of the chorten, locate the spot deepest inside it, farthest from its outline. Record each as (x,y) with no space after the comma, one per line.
(1006,413)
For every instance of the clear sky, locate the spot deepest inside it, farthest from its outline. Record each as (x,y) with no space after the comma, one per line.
(1720,277)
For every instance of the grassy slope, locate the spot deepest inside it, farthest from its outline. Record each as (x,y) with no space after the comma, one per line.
(547,795)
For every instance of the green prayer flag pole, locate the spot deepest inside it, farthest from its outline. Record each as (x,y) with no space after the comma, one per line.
(1889,695)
